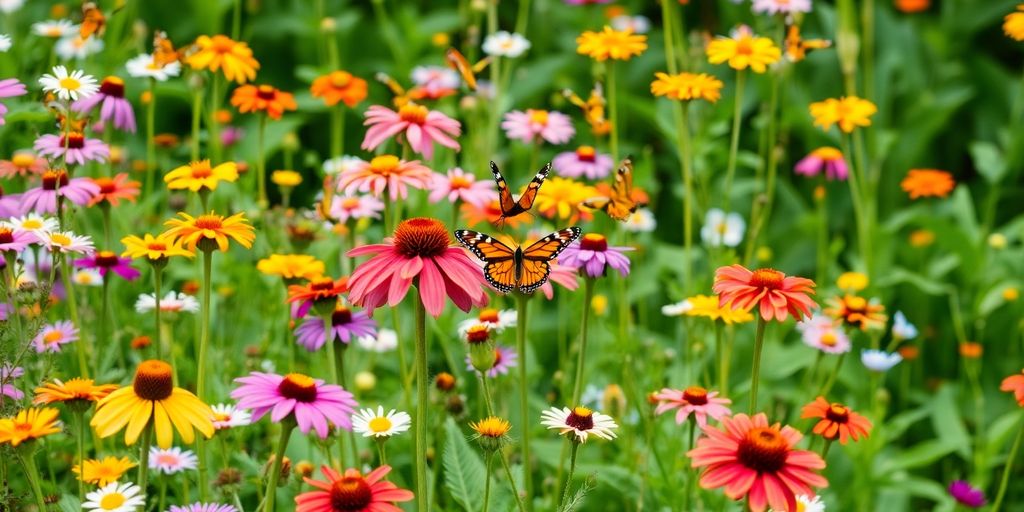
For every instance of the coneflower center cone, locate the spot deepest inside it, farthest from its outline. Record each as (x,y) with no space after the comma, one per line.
(350,493)
(580,418)
(298,387)
(594,242)
(421,236)
(153,380)
(763,450)
(341,316)
(767,278)
(838,413)
(53,179)
(695,395)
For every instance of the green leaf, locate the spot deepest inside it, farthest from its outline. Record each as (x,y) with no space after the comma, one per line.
(989,161)
(947,422)
(901,275)
(921,454)
(463,469)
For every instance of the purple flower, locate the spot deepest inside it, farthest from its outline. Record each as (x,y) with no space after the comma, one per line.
(965,494)
(309,400)
(112,104)
(593,256)
(9,88)
(105,261)
(15,240)
(230,135)
(505,359)
(10,205)
(79,148)
(825,158)
(7,374)
(585,161)
(345,324)
(43,199)
(52,336)
(203,507)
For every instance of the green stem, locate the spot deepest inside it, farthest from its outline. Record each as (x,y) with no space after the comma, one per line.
(422,403)
(523,17)
(270,499)
(1006,470)
(568,479)
(511,481)
(522,311)
(588,295)
(692,477)
(197,112)
(487,393)
(755,372)
(81,345)
(823,263)
(261,164)
(147,441)
(832,377)
(856,196)
(488,458)
(32,474)
(381,455)
(236,19)
(613,110)
(337,130)
(213,141)
(734,144)
(157,275)
(679,112)
(80,442)
(150,132)
(204,342)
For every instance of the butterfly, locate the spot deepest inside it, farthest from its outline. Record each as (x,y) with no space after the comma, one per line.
(510,206)
(593,109)
(93,20)
(507,269)
(458,62)
(620,204)
(163,51)
(797,48)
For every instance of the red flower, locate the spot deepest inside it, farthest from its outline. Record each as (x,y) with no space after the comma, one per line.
(352,492)
(837,420)
(776,294)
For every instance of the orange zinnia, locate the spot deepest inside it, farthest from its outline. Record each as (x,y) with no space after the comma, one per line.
(318,292)
(1015,384)
(777,295)
(339,86)
(263,98)
(222,52)
(837,420)
(928,183)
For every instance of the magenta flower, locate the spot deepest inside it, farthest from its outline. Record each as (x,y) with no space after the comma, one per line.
(52,336)
(10,205)
(80,149)
(311,402)
(593,256)
(231,135)
(9,88)
(585,161)
(505,359)
(7,375)
(203,507)
(694,399)
(825,158)
(460,185)
(355,207)
(420,127)
(346,325)
(43,199)
(106,261)
(15,240)
(533,125)
(113,107)
(567,277)
(967,495)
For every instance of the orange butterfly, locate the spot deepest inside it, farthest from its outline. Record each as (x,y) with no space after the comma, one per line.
(593,109)
(510,206)
(620,204)
(797,48)
(458,62)
(93,20)
(507,269)
(163,51)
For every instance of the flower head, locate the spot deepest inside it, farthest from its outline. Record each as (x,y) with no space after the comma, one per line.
(7,375)
(505,358)
(849,112)
(534,125)
(101,472)
(339,86)
(927,183)
(56,186)
(709,306)
(385,173)
(321,292)
(9,88)
(106,261)
(113,190)
(611,44)
(560,198)
(211,231)
(826,158)
(145,66)
(351,491)
(753,459)
(15,240)
(419,126)
(592,256)
(222,53)
(744,50)
(694,399)
(311,402)
(879,360)
(115,497)
(291,266)
(200,175)
(355,207)
(722,229)
(23,163)
(836,421)
(76,390)
(173,302)
(346,326)
(28,425)
(776,294)
(965,494)
(69,86)
(263,98)
(229,416)
(856,311)
(73,147)
(687,86)
(781,6)
(823,333)
(154,248)
(585,161)
(902,329)
(203,507)
(376,424)
(67,242)
(581,422)
(51,337)
(113,107)
(505,44)
(1013,24)
(1014,384)
(462,186)
(491,432)
(171,460)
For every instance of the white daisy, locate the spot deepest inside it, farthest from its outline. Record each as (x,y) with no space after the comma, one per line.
(172,460)
(676,309)
(341,164)
(641,221)
(879,360)
(386,341)
(9,6)
(580,421)
(54,29)
(173,302)
(115,497)
(5,42)
(33,223)
(73,47)
(69,86)
(228,416)
(722,228)
(87,277)
(377,424)
(66,241)
(634,24)
(505,44)
(495,320)
(142,66)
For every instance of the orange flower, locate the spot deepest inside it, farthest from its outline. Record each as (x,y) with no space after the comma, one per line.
(837,420)
(927,183)
(1015,384)
(777,295)
(113,190)
(74,390)
(971,350)
(318,292)
(339,86)
(263,98)
(222,52)
(211,231)
(857,312)
(911,6)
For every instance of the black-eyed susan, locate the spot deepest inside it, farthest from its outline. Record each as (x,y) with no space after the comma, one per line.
(28,425)
(152,399)
(211,231)
(221,52)
(742,50)
(291,266)
(201,175)
(611,44)
(154,248)
(849,112)
(101,472)
(687,86)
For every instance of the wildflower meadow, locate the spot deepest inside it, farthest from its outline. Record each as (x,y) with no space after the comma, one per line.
(511,256)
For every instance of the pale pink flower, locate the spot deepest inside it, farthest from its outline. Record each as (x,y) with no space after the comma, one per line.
(385,173)
(458,184)
(419,126)
(532,125)
(694,399)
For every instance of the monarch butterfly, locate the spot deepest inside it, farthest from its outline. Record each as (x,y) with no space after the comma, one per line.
(93,20)
(508,269)
(620,204)
(510,207)
(797,47)
(458,62)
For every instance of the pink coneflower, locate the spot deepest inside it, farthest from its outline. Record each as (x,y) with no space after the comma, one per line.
(823,333)
(43,199)
(106,261)
(113,106)
(533,125)
(419,126)
(23,163)
(15,240)
(353,492)
(694,399)
(231,135)
(781,6)
(309,400)
(435,82)
(9,88)
(585,161)
(460,185)
(52,336)
(592,256)
(346,325)
(80,149)
(754,460)
(10,204)
(568,277)
(385,172)
(355,207)
(420,250)
(825,158)
(777,295)
(7,375)
(171,460)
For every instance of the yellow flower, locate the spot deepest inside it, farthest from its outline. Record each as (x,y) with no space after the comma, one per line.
(292,266)
(103,472)
(221,52)
(152,398)
(28,425)
(198,175)
(561,198)
(687,86)
(1011,294)
(286,178)
(1013,24)
(492,426)
(848,112)
(77,389)
(153,248)
(707,306)
(211,228)
(852,281)
(610,43)
(599,304)
(744,50)
(856,311)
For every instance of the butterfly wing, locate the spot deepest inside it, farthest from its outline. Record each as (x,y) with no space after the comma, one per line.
(93,20)
(508,203)
(526,200)
(537,257)
(457,61)
(499,259)
(622,204)
(163,51)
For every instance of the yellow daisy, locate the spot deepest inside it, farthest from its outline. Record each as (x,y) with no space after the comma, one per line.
(708,306)
(292,266)
(223,53)
(28,425)
(211,230)
(611,44)
(744,50)
(200,174)
(103,472)
(158,247)
(687,86)
(848,112)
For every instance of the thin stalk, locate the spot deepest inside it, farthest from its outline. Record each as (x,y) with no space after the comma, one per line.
(511,482)
(80,443)
(574,450)
(692,477)
(261,164)
(381,454)
(823,263)
(150,132)
(613,110)
(588,295)
(487,393)
(204,342)
(523,17)
(422,403)
(65,275)
(213,140)
(679,112)
(337,131)
(524,384)
(197,112)
(488,459)
(1001,494)
(825,388)
(32,474)
(157,281)
(734,144)
(147,440)
(270,497)
(339,367)
(755,372)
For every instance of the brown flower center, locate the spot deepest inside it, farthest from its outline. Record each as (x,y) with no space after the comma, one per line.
(586,154)
(695,395)
(106,259)
(107,185)
(413,113)
(767,278)
(73,140)
(594,242)
(153,380)
(421,236)
(112,86)
(6,236)
(477,334)
(837,413)
(209,222)
(54,179)
(580,418)
(350,493)
(322,284)
(299,387)
(266,92)
(341,316)
(763,449)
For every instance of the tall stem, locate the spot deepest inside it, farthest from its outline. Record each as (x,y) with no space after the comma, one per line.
(261,164)
(511,481)
(197,112)
(80,442)
(613,110)
(1006,470)
(32,474)
(488,459)
(147,440)
(150,132)
(734,144)
(755,373)
(270,499)
(337,130)
(65,275)
(422,496)
(588,295)
(524,388)
(157,275)
(574,450)
(204,342)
